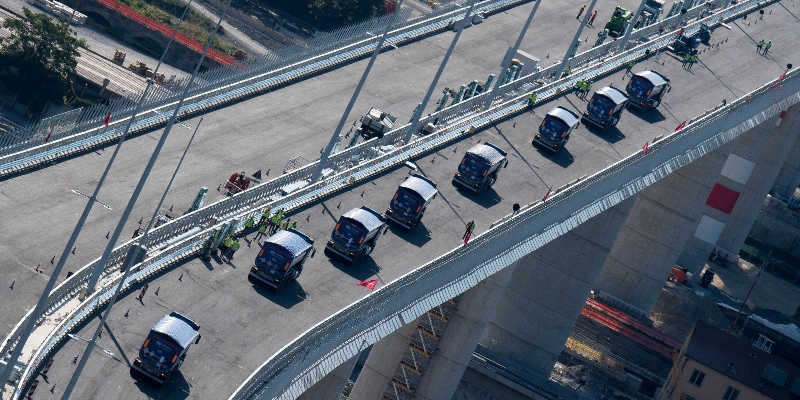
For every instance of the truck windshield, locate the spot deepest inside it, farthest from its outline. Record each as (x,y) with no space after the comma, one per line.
(348,233)
(159,352)
(406,201)
(553,128)
(273,259)
(473,167)
(600,105)
(639,87)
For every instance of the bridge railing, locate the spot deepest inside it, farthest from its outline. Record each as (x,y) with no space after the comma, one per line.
(33,145)
(248,202)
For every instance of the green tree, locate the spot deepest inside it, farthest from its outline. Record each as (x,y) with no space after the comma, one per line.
(330,14)
(43,54)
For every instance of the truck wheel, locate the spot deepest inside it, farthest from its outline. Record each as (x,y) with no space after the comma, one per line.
(295,275)
(491,182)
(614,122)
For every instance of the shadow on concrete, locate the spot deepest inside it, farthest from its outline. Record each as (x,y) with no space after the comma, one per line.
(175,388)
(116,343)
(563,158)
(485,199)
(417,236)
(611,135)
(650,116)
(288,297)
(361,270)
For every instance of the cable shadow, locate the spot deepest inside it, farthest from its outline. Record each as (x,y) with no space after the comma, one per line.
(116,343)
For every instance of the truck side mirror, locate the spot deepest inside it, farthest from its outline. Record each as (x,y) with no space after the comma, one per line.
(506,164)
(669,89)
(313,252)
(385,229)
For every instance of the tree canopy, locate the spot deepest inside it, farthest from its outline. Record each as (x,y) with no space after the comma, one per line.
(44,52)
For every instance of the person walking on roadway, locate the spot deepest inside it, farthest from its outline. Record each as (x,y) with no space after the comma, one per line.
(591,19)
(630,67)
(276,219)
(767,46)
(692,60)
(262,230)
(686,60)
(249,224)
(759,46)
(144,290)
(226,246)
(587,87)
(234,248)
(264,215)
(470,227)
(580,12)
(293,225)
(532,98)
(579,85)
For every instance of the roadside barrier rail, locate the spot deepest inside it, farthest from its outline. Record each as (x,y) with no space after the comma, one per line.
(357,163)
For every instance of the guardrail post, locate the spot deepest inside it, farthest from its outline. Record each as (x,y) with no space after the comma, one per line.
(628,31)
(323,161)
(510,54)
(574,43)
(413,127)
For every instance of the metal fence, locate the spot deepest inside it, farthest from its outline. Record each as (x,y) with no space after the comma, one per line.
(357,163)
(26,147)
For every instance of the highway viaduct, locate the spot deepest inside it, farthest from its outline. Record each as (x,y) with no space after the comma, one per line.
(252,135)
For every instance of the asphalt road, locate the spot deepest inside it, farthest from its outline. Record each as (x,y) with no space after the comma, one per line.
(243,325)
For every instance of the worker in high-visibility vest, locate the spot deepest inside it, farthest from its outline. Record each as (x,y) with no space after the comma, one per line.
(234,247)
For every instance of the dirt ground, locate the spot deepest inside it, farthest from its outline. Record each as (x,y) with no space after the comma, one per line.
(770,292)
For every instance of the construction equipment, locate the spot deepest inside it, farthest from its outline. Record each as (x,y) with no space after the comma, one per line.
(646,89)
(239,55)
(281,258)
(605,108)
(410,201)
(140,68)
(555,129)
(650,13)
(619,22)
(119,57)
(376,123)
(480,167)
(680,275)
(355,235)
(164,350)
(238,182)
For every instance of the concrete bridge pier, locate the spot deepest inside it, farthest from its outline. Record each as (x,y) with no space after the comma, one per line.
(330,387)
(739,191)
(660,222)
(777,150)
(547,292)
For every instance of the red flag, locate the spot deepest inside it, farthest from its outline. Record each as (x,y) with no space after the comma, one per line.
(546,195)
(370,284)
(683,124)
(783,75)
(466,238)
(47,138)
(107,118)
(644,149)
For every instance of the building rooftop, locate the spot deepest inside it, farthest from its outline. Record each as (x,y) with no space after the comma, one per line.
(742,362)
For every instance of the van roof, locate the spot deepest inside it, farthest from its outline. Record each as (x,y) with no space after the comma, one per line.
(653,77)
(177,327)
(291,240)
(367,217)
(421,185)
(488,152)
(616,95)
(569,117)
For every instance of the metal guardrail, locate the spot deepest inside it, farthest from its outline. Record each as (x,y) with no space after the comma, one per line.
(79,130)
(247,203)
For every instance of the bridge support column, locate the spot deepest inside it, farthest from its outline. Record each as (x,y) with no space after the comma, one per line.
(458,341)
(662,219)
(735,200)
(331,385)
(547,292)
(382,363)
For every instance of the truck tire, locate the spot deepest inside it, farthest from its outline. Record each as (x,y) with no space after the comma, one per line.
(614,122)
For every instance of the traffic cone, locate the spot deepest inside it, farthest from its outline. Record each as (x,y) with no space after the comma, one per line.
(73,249)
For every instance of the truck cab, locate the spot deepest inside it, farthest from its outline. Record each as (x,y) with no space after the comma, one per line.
(281,258)
(410,201)
(355,235)
(164,350)
(605,107)
(376,123)
(646,89)
(650,13)
(619,21)
(555,128)
(480,167)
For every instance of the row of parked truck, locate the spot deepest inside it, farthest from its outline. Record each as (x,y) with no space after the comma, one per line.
(355,236)
(644,91)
